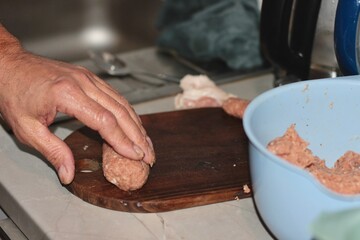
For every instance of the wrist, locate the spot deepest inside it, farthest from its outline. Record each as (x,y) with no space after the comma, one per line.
(10,52)
(9,44)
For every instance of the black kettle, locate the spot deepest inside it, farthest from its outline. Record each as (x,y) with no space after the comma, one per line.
(310,39)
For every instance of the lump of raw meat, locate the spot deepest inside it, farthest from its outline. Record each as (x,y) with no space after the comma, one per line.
(343,177)
(292,148)
(235,106)
(349,161)
(199,91)
(125,173)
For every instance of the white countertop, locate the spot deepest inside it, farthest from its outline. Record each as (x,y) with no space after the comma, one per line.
(42,208)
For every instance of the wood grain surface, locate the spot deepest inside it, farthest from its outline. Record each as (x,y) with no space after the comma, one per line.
(201,158)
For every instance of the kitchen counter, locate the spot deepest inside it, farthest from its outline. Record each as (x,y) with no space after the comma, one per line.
(42,208)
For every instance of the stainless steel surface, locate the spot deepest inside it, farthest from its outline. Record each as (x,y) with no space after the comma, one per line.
(65,29)
(115,66)
(151,59)
(8,230)
(147,59)
(2,215)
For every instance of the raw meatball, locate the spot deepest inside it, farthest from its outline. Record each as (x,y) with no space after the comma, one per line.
(126,174)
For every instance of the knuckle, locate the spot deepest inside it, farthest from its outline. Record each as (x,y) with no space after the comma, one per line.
(124,103)
(106,118)
(122,138)
(81,68)
(81,75)
(63,85)
(120,113)
(86,71)
(62,89)
(123,100)
(109,122)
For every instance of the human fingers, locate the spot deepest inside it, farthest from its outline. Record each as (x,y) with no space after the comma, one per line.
(115,103)
(73,100)
(105,87)
(131,128)
(37,135)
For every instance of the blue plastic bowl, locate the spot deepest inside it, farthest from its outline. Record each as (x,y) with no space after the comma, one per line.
(327,115)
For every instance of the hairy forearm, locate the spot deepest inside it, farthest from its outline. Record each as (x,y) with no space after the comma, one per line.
(8,43)
(10,52)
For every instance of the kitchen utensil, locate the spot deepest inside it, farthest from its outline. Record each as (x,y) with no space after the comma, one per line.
(327,115)
(287,30)
(346,36)
(311,39)
(116,67)
(201,158)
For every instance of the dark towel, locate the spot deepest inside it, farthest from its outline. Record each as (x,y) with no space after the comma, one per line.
(206,30)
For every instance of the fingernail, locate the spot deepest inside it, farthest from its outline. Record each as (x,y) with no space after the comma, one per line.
(138,151)
(150,143)
(63,172)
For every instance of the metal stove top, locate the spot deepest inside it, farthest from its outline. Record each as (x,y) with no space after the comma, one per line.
(141,88)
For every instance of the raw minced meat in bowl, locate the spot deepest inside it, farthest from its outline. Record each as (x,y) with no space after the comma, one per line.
(304,138)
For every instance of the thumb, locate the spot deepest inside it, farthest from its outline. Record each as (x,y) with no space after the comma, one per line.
(54,150)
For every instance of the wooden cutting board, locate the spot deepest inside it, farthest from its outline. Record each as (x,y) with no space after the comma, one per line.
(202,158)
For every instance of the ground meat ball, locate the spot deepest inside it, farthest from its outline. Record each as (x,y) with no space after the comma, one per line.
(126,174)
(343,178)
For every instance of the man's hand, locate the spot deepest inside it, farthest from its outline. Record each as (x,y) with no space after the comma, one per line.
(33,89)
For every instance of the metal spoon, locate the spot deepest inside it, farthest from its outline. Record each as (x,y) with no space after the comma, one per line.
(116,67)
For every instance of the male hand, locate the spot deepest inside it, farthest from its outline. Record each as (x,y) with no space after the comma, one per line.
(33,89)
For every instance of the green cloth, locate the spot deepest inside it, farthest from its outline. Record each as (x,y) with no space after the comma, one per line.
(206,30)
(342,225)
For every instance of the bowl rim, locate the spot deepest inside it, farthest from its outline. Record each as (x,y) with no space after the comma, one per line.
(350,80)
